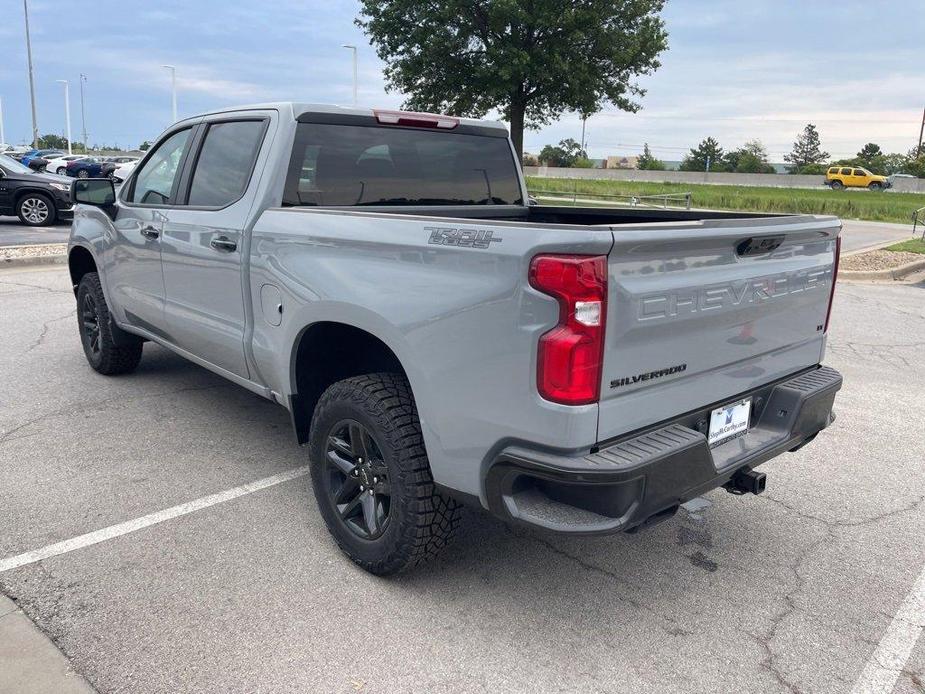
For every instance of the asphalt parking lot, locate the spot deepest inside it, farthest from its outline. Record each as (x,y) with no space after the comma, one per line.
(14,233)
(798,590)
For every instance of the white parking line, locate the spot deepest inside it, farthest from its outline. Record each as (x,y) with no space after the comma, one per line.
(887,662)
(131,526)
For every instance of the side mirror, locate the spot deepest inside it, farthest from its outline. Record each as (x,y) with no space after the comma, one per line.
(99,192)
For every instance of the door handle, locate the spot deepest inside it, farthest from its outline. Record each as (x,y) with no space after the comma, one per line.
(223,243)
(150,232)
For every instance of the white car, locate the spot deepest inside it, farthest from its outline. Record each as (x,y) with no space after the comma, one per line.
(122,171)
(58,165)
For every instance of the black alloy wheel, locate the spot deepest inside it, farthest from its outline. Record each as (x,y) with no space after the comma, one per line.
(356,479)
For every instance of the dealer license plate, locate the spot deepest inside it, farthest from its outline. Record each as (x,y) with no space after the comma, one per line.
(729,421)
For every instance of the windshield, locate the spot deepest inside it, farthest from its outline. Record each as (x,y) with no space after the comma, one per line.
(13,166)
(346,165)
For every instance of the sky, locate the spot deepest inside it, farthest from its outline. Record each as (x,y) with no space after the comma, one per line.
(735,70)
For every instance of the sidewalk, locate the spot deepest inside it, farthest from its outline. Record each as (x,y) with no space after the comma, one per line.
(29,662)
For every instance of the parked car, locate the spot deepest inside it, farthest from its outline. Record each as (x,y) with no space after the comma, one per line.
(893,177)
(122,171)
(840,177)
(38,163)
(59,164)
(38,199)
(121,159)
(89,167)
(437,340)
(44,153)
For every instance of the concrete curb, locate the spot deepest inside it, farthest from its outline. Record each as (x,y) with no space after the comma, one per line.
(896,273)
(29,261)
(29,662)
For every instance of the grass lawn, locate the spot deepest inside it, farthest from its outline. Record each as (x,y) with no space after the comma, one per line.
(910,246)
(847,204)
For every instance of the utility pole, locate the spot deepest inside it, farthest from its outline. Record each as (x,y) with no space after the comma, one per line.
(584,120)
(173,89)
(35,127)
(354,49)
(918,152)
(67,112)
(83,116)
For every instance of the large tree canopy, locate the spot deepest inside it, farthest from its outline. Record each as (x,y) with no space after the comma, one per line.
(530,59)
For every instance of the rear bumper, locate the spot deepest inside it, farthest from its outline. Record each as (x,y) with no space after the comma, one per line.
(643,477)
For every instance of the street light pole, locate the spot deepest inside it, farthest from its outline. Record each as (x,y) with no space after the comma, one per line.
(173,89)
(67,112)
(83,117)
(35,127)
(354,49)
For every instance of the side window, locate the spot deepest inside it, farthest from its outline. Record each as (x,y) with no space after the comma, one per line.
(833,171)
(858,172)
(154,180)
(846,172)
(225,162)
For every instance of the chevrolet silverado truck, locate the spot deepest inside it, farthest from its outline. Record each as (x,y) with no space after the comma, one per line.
(440,341)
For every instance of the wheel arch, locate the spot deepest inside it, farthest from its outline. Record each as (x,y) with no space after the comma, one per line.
(80,261)
(325,352)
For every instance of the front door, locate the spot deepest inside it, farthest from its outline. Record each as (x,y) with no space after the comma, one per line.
(203,243)
(135,279)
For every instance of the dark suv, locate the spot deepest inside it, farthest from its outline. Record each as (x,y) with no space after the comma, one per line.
(38,199)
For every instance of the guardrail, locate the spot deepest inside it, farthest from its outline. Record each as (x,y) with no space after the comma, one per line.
(660,200)
(919,217)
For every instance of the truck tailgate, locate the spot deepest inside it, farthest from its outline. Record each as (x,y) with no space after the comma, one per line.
(701,312)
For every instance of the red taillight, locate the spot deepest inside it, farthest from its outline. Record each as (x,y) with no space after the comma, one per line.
(828,311)
(417,120)
(571,355)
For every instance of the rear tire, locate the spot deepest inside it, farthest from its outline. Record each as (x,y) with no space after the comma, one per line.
(838,185)
(96,332)
(371,476)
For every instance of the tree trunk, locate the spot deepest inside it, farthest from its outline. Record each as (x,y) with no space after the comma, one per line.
(518,109)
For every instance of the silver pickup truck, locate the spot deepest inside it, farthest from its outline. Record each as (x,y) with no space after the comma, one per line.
(438,340)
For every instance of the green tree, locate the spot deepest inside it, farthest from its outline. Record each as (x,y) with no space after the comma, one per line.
(145,146)
(708,155)
(751,157)
(52,141)
(564,155)
(869,153)
(529,59)
(647,161)
(806,150)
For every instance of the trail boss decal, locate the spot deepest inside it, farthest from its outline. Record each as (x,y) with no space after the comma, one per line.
(464,238)
(648,376)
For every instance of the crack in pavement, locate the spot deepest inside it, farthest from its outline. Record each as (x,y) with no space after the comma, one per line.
(44,332)
(6,436)
(765,640)
(34,286)
(673,630)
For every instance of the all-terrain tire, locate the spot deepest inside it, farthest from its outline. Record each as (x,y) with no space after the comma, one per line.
(837,185)
(420,520)
(96,332)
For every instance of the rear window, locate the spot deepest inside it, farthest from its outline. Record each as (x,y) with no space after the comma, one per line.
(348,165)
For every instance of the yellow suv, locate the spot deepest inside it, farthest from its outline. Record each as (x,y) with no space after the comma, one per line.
(839,177)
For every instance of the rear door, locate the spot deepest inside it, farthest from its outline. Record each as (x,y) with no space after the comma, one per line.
(700,312)
(203,240)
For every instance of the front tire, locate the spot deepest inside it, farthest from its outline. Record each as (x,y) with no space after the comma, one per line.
(83,173)
(875,186)
(371,476)
(96,332)
(61,171)
(36,210)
